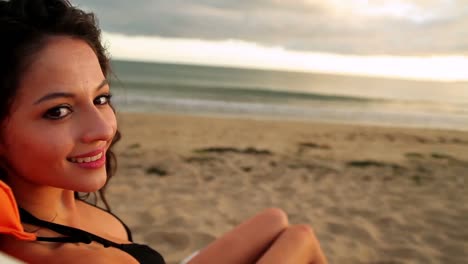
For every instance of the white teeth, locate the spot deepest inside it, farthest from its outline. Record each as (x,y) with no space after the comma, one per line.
(96,157)
(87,159)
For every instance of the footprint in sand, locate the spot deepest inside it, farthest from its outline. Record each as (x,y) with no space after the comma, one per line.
(178,241)
(200,240)
(356,232)
(168,241)
(406,254)
(454,252)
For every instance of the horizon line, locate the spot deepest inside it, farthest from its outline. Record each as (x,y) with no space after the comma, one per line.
(249,55)
(260,68)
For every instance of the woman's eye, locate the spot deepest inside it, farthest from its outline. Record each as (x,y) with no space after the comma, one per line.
(58,112)
(102,99)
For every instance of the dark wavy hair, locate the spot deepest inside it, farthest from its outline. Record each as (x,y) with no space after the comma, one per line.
(25,27)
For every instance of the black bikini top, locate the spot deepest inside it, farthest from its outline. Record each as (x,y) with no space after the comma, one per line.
(143,253)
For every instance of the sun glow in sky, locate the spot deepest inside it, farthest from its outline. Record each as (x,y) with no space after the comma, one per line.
(243,54)
(393,8)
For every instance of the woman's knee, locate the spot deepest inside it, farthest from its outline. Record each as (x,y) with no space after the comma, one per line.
(302,235)
(275,216)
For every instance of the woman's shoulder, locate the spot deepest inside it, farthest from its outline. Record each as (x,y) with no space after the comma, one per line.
(104,223)
(94,220)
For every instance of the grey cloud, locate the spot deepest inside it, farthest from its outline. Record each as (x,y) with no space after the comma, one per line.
(292,24)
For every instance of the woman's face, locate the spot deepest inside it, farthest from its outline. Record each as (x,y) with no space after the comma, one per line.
(61,123)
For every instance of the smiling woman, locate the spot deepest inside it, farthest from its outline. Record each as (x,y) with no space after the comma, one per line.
(72,119)
(57,128)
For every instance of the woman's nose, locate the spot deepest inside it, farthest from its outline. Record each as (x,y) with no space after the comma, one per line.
(97,125)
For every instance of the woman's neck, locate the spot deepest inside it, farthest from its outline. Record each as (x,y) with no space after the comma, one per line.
(47,203)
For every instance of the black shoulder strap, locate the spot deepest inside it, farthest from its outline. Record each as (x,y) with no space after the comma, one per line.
(71,234)
(142,253)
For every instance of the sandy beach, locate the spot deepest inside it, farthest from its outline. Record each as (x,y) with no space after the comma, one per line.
(372,194)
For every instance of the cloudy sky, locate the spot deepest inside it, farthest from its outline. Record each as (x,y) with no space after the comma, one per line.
(407,38)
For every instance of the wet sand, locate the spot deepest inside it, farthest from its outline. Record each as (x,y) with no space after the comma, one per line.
(372,194)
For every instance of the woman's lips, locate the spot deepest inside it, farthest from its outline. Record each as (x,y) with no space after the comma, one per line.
(91,160)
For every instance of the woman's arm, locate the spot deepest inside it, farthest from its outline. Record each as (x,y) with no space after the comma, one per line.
(265,238)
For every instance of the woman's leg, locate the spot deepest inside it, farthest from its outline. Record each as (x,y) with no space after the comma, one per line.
(247,242)
(297,244)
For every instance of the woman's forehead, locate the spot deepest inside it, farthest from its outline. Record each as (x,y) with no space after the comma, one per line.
(62,54)
(63,63)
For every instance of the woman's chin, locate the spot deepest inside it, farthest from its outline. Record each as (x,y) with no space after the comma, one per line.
(91,185)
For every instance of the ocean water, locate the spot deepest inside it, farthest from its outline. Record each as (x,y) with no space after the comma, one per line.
(202,90)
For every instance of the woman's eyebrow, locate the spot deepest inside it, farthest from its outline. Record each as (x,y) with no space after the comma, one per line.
(102,84)
(65,94)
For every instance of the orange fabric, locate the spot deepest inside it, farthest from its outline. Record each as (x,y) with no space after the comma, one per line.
(10,223)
